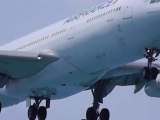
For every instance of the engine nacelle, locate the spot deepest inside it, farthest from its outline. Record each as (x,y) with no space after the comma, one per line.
(152,88)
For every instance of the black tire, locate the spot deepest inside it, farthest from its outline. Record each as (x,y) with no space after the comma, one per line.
(146,73)
(104,115)
(91,114)
(154,73)
(32,112)
(42,113)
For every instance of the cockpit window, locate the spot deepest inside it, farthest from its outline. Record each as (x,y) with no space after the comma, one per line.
(154,1)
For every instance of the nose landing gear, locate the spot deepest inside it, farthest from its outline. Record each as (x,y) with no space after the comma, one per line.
(37,110)
(149,72)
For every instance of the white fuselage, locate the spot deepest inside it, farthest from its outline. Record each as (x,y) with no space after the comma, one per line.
(88,45)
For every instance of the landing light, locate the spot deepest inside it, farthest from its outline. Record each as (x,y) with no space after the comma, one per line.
(39,58)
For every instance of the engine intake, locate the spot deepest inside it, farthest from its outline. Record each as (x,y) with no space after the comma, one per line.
(152,88)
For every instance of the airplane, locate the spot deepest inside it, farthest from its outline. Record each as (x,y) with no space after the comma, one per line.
(96,50)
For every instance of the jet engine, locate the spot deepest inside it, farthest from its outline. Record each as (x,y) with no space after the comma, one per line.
(152,88)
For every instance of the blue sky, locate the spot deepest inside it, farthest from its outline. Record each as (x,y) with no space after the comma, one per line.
(20,17)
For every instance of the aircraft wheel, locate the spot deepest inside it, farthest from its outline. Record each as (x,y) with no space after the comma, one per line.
(32,112)
(42,113)
(91,114)
(104,115)
(146,73)
(154,73)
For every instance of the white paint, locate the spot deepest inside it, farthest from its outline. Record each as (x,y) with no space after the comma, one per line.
(84,64)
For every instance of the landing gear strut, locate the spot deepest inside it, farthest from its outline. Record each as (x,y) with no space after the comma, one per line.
(93,112)
(36,110)
(149,72)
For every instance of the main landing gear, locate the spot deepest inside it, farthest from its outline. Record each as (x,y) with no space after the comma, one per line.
(149,72)
(93,112)
(35,110)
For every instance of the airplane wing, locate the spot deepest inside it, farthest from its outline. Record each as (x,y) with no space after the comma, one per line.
(130,74)
(21,64)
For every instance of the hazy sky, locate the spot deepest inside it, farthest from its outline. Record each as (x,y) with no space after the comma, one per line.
(20,17)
